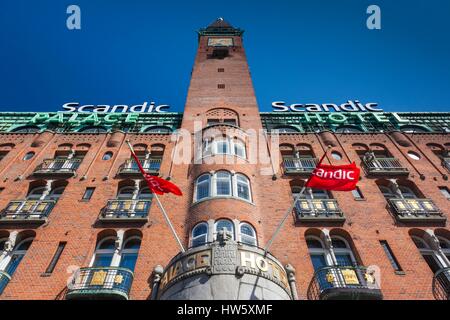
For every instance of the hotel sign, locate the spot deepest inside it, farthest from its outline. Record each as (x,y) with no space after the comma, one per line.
(229,259)
(349,106)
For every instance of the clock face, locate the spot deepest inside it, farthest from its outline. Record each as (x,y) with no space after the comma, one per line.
(220,42)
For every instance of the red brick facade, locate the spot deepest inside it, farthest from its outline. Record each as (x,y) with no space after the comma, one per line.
(74,220)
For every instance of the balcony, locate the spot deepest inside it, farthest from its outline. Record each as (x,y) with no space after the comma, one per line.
(4,280)
(302,165)
(384,166)
(416,210)
(100,283)
(311,210)
(130,167)
(441,284)
(126,210)
(344,283)
(27,211)
(60,166)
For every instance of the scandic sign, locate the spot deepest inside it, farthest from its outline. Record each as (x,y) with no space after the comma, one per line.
(122,108)
(349,106)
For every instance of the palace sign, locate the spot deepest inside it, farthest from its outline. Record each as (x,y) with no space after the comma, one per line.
(350,106)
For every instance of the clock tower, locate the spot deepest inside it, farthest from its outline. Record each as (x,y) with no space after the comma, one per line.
(224,219)
(221,77)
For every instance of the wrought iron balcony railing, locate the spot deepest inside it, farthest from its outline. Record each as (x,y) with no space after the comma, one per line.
(151,165)
(126,210)
(318,210)
(58,166)
(35,211)
(384,166)
(304,165)
(4,280)
(100,283)
(441,284)
(345,283)
(416,210)
(446,163)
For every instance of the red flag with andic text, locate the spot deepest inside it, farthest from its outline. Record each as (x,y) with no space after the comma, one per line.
(335,178)
(156,184)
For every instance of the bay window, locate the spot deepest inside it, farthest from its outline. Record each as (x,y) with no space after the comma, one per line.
(222,184)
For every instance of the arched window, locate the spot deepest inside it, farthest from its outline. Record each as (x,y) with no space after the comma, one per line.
(56,193)
(342,252)
(247,234)
(203,187)
(387,192)
(339,254)
(348,129)
(433,257)
(17,255)
(93,129)
(320,257)
(28,155)
(407,193)
(145,194)
(158,129)
(107,155)
(223,224)
(125,193)
(26,129)
(104,252)
(286,129)
(129,253)
(390,192)
(243,187)
(36,193)
(199,234)
(223,183)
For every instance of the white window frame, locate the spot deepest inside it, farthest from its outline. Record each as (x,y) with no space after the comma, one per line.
(193,238)
(213,186)
(208,181)
(7,258)
(231,143)
(254,237)
(233,231)
(235,186)
(428,251)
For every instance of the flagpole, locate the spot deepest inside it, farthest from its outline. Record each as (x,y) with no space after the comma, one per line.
(168,222)
(286,215)
(166,217)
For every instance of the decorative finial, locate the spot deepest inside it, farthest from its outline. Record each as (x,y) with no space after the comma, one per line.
(220,19)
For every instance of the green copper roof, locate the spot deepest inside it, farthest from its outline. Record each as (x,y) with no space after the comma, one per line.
(289,121)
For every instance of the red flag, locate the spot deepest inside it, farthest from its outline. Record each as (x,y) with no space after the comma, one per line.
(337,178)
(156,184)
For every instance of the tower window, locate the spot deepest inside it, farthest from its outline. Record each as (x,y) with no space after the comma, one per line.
(221,86)
(221,70)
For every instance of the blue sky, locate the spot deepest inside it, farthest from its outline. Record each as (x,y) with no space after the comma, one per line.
(320,51)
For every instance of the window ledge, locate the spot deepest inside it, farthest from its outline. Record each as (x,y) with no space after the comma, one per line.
(221,155)
(221,197)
